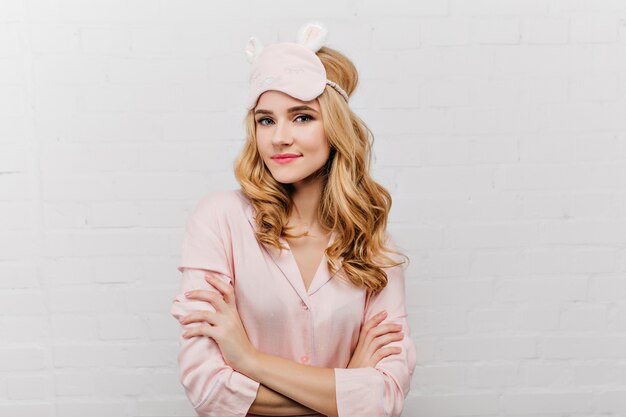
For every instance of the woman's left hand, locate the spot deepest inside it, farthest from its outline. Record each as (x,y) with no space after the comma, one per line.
(224,325)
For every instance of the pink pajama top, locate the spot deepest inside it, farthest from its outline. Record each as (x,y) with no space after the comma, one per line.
(319,326)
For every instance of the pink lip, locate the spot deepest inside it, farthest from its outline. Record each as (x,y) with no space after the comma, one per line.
(285,158)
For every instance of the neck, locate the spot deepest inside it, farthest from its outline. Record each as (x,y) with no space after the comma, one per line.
(306,201)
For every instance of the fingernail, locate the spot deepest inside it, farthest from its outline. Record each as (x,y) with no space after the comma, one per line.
(188,293)
(382,313)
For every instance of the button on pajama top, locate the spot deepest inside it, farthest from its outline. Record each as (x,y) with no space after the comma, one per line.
(319,326)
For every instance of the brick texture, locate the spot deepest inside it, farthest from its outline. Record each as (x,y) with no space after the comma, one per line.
(500,131)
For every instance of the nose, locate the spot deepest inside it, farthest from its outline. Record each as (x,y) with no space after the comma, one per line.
(282,134)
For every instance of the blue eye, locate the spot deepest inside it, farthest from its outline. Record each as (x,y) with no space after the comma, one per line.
(305,116)
(260,121)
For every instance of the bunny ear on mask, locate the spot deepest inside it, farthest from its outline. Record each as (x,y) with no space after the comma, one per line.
(253,48)
(292,68)
(312,35)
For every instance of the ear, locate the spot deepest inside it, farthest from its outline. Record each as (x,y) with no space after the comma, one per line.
(253,48)
(312,35)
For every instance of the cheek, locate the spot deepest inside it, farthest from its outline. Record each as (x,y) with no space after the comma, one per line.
(261,145)
(321,156)
(315,141)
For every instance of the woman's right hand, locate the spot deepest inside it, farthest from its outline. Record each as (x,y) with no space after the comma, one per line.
(371,346)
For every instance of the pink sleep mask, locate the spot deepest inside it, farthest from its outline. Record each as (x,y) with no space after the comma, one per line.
(290,67)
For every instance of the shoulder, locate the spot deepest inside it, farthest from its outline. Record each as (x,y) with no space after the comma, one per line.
(222,204)
(222,200)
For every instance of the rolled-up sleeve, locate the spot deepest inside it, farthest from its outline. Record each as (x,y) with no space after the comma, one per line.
(212,386)
(381,391)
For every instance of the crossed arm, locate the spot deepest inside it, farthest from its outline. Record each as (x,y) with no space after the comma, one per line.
(271,403)
(315,386)
(228,379)
(319,383)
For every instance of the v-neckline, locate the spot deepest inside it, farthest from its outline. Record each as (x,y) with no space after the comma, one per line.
(321,263)
(286,263)
(285,260)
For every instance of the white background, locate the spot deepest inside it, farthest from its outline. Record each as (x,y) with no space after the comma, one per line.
(500,130)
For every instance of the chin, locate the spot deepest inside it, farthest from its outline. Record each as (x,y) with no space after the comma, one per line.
(285,179)
(291,176)
(293,179)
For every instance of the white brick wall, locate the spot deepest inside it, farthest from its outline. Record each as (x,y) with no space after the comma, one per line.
(500,130)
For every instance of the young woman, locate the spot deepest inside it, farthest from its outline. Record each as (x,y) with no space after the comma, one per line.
(292,299)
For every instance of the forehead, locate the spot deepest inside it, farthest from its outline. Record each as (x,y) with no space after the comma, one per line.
(278,101)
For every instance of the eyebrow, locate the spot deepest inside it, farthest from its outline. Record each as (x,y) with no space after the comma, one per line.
(289,110)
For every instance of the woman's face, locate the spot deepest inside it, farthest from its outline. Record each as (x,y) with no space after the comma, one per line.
(290,136)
